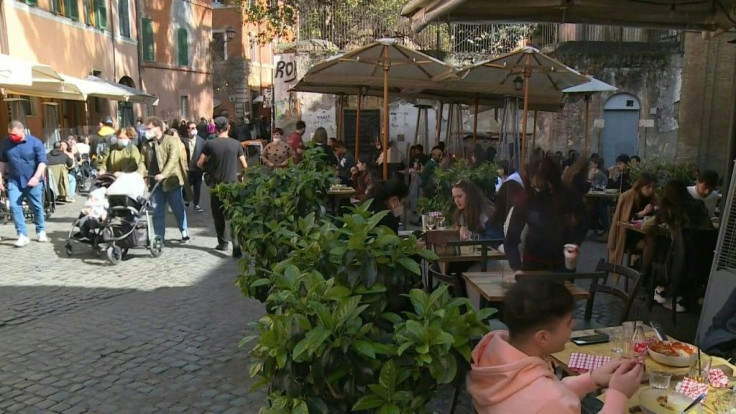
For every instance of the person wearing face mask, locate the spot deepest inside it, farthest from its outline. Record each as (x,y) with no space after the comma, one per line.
(161,157)
(193,145)
(389,195)
(23,161)
(277,153)
(123,157)
(554,216)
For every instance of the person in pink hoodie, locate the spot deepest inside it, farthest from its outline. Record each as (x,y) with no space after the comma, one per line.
(510,372)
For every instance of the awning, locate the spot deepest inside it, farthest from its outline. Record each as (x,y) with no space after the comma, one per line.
(20,72)
(686,15)
(132,94)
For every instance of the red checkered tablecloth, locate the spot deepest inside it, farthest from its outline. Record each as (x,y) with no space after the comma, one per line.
(691,388)
(584,362)
(717,378)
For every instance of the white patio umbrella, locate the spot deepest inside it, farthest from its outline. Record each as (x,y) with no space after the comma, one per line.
(383,64)
(526,73)
(20,72)
(587,89)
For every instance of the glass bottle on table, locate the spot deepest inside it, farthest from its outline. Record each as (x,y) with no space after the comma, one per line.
(639,342)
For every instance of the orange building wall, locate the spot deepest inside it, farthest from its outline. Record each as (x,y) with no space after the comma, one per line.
(164,77)
(73,48)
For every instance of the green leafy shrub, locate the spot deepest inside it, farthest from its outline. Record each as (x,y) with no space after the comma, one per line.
(265,203)
(664,172)
(348,328)
(483,175)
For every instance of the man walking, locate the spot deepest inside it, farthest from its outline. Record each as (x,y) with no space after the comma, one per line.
(222,158)
(23,161)
(194,143)
(160,159)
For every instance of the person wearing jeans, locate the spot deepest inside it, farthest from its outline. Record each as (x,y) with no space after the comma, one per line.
(193,144)
(23,161)
(162,161)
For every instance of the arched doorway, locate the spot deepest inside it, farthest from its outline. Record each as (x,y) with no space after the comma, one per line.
(126,115)
(621,128)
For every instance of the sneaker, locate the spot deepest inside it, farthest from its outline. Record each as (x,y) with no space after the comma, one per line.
(221,247)
(678,308)
(22,241)
(185,237)
(198,208)
(42,238)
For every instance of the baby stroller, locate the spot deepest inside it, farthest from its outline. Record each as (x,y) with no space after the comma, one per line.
(126,222)
(49,204)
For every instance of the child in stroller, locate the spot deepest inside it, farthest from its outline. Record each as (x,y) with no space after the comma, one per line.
(116,217)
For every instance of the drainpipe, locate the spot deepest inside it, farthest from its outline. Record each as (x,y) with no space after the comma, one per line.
(3,30)
(139,39)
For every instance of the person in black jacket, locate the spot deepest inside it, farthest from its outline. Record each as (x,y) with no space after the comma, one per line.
(389,195)
(620,181)
(193,144)
(554,215)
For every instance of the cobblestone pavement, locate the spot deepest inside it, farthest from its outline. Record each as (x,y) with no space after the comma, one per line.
(150,335)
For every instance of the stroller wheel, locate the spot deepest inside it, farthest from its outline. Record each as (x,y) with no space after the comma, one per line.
(156,246)
(114,254)
(68,248)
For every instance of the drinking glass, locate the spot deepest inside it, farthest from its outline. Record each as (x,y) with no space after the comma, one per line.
(440,221)
(659,380)
(700,369)
(725,401)
(627,332)
(616,336)
(431,222)
(425,222)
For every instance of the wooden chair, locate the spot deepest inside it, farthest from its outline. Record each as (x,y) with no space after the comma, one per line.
(437,241)
(633,279)
(454,281)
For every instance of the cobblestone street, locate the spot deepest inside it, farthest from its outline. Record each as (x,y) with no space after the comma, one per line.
(151,335)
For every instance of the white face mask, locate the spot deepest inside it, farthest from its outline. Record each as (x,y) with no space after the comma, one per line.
(192,133)
(398,211)
(276,138)
(151,134)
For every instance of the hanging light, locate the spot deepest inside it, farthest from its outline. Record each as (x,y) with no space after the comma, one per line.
(229,34)
(518,83)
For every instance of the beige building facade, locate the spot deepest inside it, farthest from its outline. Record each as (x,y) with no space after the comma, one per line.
(175,57)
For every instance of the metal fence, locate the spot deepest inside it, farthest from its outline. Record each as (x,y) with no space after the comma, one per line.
(349,26)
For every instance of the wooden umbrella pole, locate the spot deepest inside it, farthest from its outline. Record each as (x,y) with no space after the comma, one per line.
(340,108)
(439,124)
(386,68)
(534,132)
(587,125)
(475,123)
(524,117)
(357,125)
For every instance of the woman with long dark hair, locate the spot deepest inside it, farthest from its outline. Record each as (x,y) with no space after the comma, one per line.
(472,211)
(554,216)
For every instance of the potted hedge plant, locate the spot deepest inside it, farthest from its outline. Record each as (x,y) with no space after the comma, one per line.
(348,328)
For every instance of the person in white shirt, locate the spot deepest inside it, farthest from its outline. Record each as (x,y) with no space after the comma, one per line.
(703,190)
(393,154)
(83,146)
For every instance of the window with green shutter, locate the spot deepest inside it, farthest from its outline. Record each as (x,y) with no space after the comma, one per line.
(72,9)
(101,13)
(124,18)
(149,50)
(57,6)
(183,46)
(30,2)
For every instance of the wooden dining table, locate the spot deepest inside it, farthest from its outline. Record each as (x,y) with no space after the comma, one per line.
(491,288)
(562,360)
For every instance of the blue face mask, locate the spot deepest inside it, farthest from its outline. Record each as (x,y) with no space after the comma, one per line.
(123,143)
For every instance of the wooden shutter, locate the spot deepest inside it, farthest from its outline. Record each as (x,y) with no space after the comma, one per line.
(183,44)
(71,9)
(124,20)
(149,50)
(57,6)
(101,13)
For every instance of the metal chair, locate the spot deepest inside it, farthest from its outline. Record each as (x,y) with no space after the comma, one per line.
(627,296)
(456,284)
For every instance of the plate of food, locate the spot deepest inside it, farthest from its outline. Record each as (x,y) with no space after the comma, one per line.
(672,353)
(653,401)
